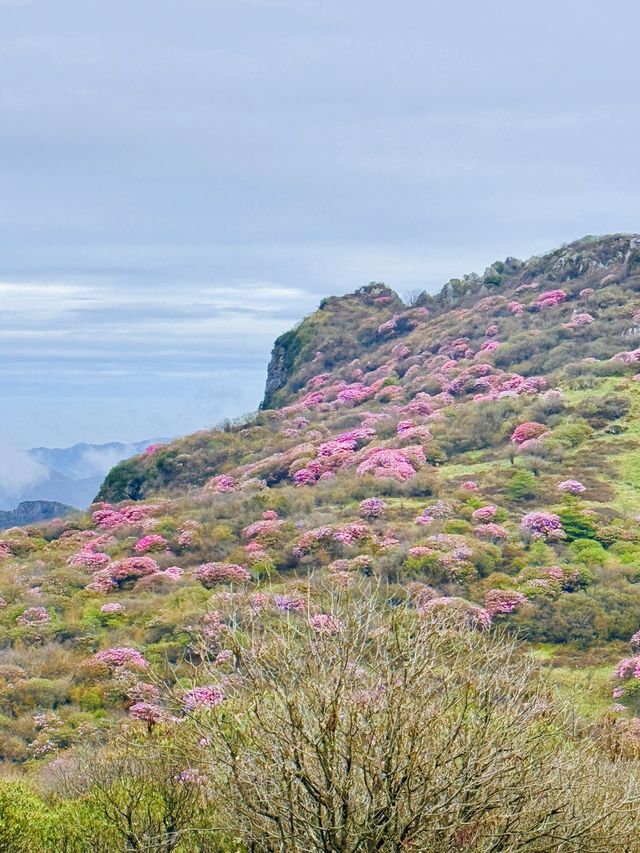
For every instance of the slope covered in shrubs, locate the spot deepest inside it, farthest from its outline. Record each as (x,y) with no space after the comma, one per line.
(473,458)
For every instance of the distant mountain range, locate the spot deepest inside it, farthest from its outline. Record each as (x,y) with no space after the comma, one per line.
(69,475)
(32,512)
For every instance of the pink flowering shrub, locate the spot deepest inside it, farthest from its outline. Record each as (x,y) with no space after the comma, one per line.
(372,507)
(290,603)
(500,601)
(325,623)
(398,465)
(579,320)
(151,542)
(112,607)
(210,574)
(121,656)
(527,431)
(132,568)
(485,513)
(572,487)
(550,298)
(221,483)
(107,517)
(543,525)
(34,616)
(491,530)
(202,697)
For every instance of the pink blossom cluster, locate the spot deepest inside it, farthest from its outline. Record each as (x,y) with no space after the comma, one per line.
(491,530)
(489,346)
(484,513)
(151,449)
(550,298)
(628,357)
(440,509)
(121,656)
(5,549)
(502,601)
(326,623)
(150,542)
(290,603)
(372,507)
(202,697)
(526,431)
(210,574)
(34,616)
(579,320)
(132,568)
(174,573)
(363,562)
(628,668)
(221,483)
(112,607)
(388,326)
(186,533)
(90,558)
(587,291)
(260,530)
(107,517)
(573,487)
(516,308)
(491,331)
(543,525)
(469,486)
(149,713)
(501,384)
(398,465)
(355,393)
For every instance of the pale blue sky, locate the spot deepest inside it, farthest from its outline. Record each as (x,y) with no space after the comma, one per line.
(181,180)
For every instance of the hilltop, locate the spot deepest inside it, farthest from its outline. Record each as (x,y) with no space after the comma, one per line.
(474,453)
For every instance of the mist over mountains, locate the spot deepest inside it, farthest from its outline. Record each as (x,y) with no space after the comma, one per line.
(67,475)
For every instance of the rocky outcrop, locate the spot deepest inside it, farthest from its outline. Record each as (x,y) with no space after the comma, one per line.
(33,512)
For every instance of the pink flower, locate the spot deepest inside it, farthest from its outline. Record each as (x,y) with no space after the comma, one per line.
(526,431)
(573,487)
(174,573)
(210,574)
(121,656)
(152,542)
(492,531)
(325,623)
(543,525)
(485,513)
(202,697)
(503,601)
(112,607)
(290,603)
(34,616)
(372,507)
(469,486)
(396,464)
(550,298)
(221,483)
(148,713)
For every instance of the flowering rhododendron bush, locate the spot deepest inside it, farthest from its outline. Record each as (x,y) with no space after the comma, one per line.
(476,456)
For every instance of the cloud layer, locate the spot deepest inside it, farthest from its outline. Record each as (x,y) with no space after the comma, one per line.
(180,182)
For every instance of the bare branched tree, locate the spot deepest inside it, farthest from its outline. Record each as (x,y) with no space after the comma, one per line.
(386,732)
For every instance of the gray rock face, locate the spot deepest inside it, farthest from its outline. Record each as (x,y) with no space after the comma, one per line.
(276,374)
(32,512)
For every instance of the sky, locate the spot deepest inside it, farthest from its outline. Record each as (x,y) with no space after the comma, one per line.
(183,180)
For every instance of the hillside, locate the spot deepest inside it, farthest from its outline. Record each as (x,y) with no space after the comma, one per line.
(475,453)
